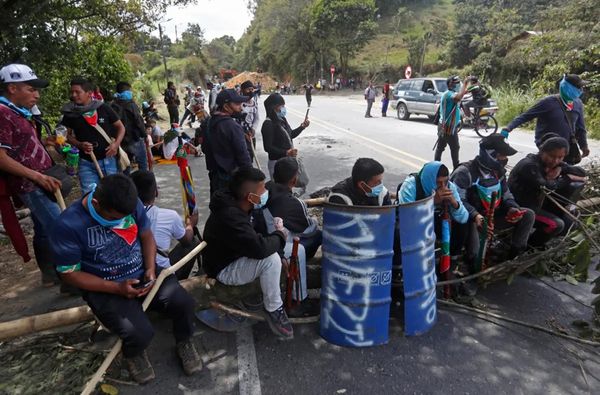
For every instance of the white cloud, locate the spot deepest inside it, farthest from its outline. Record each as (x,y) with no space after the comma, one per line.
(216,17)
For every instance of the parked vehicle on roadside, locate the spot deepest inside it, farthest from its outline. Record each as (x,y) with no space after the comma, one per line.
(418,96)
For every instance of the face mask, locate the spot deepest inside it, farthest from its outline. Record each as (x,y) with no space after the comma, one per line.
(125,95)
(376,191)
(282,113)
(104,222)
(263,200)
(24,112)
(455,88)
(568,91)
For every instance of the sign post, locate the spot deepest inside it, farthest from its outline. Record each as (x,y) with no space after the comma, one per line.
(332,70)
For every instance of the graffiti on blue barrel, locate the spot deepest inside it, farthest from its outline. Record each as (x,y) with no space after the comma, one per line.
(357,255)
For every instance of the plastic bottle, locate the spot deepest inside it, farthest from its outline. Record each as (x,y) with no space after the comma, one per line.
(72,161)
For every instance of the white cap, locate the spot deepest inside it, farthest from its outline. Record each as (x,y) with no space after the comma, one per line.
(21,73)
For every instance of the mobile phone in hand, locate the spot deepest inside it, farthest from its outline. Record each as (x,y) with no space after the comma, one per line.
(142,284)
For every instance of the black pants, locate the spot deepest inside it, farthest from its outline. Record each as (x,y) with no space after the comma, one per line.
(126,318)
(308,100)
(188,113)
(452,141)
(217,181)
(311,243)
(173,114)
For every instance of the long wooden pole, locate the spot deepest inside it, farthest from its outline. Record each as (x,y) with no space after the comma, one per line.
(91,385)
(60,200)
(96,164)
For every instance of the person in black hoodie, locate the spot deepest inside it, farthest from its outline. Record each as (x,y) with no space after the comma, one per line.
(277,133)
(545,171)
(364,188)
(224,140)
(236,254)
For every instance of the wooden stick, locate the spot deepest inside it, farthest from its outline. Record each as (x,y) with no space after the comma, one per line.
(319,201)
(60,200)
(255,157)
(91,384)
(96,164)
(577,220)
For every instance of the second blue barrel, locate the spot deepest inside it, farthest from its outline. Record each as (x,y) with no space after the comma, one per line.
(417,246)
(357,274)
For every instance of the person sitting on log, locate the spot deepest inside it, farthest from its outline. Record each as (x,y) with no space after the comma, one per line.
(166,226)
(364,188)
(477,180)
(236,254)
(538,174)
(104,246)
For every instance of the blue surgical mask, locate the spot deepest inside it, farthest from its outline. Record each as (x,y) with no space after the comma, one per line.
(104,222)
(125,95)
(282,113)
(376,191)
(263,200)
(24,112)
(455,88)
(568,91)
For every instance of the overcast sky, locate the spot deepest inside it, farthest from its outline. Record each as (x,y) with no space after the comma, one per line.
(217,18)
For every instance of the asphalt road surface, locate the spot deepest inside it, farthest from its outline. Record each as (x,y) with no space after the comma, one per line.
(461,354)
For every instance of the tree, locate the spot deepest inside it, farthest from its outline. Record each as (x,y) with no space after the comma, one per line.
(192,39)
(346,25)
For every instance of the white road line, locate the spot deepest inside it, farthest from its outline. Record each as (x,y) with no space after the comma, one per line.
(247,367)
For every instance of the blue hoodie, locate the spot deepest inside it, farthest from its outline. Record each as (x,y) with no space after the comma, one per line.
(428,177)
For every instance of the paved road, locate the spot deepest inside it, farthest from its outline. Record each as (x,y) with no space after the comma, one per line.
(462,354)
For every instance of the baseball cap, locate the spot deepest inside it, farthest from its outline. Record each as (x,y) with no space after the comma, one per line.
(14,73)
(497,143)
(230,96)
(576,80)
(247,84)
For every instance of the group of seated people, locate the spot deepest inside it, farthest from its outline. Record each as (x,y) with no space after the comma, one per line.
(114,242)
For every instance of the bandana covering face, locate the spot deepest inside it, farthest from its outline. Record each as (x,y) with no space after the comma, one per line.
(568,93)
(125,228)
(91,117)
(25,113)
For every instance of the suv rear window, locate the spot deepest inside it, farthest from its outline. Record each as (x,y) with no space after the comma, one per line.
(417,85)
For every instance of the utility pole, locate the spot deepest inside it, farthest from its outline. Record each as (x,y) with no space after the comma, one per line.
(425,38)
(162,50)
(176,38)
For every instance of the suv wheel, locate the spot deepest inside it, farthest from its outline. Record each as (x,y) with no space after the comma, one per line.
(403,113)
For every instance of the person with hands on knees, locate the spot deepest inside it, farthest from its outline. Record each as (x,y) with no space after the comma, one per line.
(546,172)
(23,159)
(477,180)
(83,118)
(364,187)
(236,254)
(103,245)
(277,133)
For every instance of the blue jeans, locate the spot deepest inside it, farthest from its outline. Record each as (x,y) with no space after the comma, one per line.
(138,149)
(44,213)
(88,174)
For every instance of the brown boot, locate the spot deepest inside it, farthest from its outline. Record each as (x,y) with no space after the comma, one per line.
(139,368)
(190,358)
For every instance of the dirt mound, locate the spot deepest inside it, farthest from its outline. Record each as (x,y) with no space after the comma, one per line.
(265,80)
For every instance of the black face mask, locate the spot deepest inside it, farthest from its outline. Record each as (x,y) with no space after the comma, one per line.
(249,94)
(238,115)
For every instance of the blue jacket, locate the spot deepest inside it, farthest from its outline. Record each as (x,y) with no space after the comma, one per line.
(551,118)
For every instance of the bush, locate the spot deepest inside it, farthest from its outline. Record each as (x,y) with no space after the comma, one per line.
(512,101)
(592,117)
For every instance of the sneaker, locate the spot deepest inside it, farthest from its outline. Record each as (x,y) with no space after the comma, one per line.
(306,308)
(279,323)
(139,368)
(190,358)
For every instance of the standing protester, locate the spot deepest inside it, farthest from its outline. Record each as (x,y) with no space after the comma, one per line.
(172,101)
(370,95)
(561,114)
(450,119)
(212,97)
(83,117)
(251,117)
(103,245)
(308,88)
(277,133)
(224,142)
(134,142)
(23,159)
(189,97)
(97,95)
(386,98)
(258,90)
(236,254)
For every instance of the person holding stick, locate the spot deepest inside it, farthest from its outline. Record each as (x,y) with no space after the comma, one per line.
(103,245)
(23,159)
(83,118)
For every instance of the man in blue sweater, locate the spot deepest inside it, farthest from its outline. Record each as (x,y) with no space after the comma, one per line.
(561,114)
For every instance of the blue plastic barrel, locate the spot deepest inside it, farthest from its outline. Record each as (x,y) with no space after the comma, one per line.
(357,274)
(417,246)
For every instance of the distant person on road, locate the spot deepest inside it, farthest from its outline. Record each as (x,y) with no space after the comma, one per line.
(364,188)
(172,101)
(212,96)
(386,98)
(370,95)
(561,114)
(224,140)
(251,117)
(308,88)
(236,254)
(277,133)
(450,119)
(104,246)
(545,171)
(83,116)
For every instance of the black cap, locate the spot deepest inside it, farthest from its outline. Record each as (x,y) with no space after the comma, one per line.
(230,96)
(497,143)
(576,80)
(247,84)
(453,80)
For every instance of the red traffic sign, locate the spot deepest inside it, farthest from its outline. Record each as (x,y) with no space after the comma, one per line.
(332,69)
(408,72)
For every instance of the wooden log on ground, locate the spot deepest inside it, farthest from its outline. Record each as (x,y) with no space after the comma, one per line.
(595,201)
(319,201)
(74,315)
